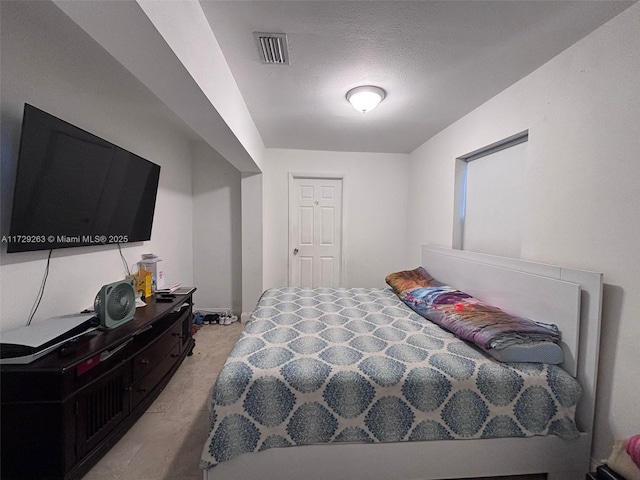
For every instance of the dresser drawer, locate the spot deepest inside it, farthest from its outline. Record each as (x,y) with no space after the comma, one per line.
(148,359)
(143,388)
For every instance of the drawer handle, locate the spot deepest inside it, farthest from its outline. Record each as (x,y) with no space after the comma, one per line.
(174,355)
(142,390)
(144,361)
(106,354)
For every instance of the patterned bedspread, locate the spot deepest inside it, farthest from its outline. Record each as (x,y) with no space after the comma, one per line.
(357,365)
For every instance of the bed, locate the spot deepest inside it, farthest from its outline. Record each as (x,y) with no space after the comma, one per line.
(340,366)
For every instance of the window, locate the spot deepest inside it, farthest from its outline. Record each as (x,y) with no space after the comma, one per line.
(489,192)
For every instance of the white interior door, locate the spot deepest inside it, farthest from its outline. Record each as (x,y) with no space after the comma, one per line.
(315,232)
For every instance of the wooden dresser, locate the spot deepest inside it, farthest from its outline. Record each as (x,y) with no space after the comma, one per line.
(61,413)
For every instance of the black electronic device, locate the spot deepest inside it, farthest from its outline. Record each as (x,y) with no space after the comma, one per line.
(73,188)
(603,472)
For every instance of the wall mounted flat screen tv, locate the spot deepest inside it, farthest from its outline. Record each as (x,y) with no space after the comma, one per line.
(75,189)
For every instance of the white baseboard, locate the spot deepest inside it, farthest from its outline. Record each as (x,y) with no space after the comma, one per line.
(245,317)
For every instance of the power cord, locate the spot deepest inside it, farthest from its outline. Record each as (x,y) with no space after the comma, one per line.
(36,304)
(124,261)
(41,291)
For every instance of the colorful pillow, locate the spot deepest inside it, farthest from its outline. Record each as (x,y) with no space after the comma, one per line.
(465,316)
(408,280)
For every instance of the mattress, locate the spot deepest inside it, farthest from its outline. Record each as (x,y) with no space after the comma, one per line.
(357,365)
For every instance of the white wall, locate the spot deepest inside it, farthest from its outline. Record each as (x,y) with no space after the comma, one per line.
(65,73)
(582,110)
(375,211)
(252,241)
(217,266)
(185,28)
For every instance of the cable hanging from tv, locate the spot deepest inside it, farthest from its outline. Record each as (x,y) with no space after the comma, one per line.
(41,291)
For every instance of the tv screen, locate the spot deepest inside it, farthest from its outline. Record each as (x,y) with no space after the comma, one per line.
(75,189)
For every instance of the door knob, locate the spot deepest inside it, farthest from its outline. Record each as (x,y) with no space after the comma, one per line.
(295,251)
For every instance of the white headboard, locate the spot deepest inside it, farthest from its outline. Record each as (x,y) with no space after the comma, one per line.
(569,298)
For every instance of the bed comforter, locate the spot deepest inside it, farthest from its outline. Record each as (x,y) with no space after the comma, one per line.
(356,365)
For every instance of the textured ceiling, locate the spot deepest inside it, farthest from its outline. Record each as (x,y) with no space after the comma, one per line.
(437,60)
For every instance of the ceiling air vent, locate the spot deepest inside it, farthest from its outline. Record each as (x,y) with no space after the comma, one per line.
(272,48)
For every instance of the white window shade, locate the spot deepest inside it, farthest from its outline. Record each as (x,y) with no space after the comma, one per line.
(490,195)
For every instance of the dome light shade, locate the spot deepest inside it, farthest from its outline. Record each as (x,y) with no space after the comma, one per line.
(365,98)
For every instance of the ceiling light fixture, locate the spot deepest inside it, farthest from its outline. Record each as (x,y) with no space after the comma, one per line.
(365,98)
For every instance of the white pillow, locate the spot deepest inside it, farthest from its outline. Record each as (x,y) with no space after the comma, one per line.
(536,352)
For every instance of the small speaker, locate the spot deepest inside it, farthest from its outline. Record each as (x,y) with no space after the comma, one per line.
(115,303)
